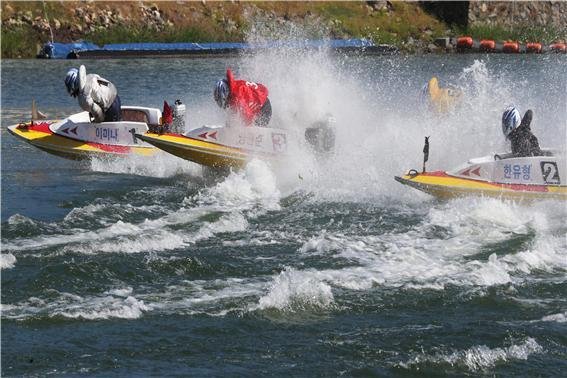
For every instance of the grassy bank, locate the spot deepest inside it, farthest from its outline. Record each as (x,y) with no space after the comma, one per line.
(21,42)
(340,20)
(26,25)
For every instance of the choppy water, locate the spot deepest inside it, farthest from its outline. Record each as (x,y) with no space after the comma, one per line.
(147,267)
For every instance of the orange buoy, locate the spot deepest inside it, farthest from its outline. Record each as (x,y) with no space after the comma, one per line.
(511,47)
(487,45)
(558,47)
(534,47)
(464,42)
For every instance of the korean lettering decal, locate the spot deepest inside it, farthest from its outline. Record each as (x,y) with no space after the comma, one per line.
(518,171)
(526,169)
(508,171)
(251,140)
(550,172)
(279,142)
(107,134)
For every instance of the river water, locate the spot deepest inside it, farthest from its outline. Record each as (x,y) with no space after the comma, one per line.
(322,267)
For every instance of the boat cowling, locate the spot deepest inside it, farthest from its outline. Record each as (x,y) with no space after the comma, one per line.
(263,140)
(79,127)
(549,169)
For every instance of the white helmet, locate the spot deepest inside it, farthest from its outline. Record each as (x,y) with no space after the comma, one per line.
(72,81)
(511,119)
(221,93)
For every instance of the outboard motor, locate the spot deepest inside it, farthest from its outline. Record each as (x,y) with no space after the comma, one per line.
(178,125)
(321,135)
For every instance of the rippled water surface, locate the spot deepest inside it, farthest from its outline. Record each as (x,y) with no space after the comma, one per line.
(319,266)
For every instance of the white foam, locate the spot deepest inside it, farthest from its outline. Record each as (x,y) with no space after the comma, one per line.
(106,308)
(68,305)
(71,236)
(151,234)
(79,213)
(480,357)
(157,240)
(104,214)
(152,237)
(18,219)
(294,290)
(120,292)
(215,297)
(415,259)
(255,185)
(248,193)
(489,273)
(7,261)
(255,237)
(559,318)
(321,245)
(160,165)
(232,222)
(548,253)
(393,260)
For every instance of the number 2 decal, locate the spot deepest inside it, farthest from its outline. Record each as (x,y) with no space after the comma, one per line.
(550,172)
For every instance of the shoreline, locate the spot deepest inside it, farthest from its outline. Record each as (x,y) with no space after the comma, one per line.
(464,44)
(406,26)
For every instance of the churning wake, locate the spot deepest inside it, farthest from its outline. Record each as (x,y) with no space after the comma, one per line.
(320,237)
(480,357)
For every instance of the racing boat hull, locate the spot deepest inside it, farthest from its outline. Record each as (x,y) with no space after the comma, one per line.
(39,135)
(77,138)
(222,147)
(442,185)
(527,178)
(195,150)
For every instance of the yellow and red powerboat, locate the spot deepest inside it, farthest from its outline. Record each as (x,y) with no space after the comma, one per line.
(218,146)
(500,175)
(222,147)
(76,137)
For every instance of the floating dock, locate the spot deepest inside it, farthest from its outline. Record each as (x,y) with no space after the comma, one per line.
(55,50)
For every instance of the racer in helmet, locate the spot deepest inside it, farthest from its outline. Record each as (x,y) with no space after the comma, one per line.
(518,131)
(96,95)
(438,99)
(246,99)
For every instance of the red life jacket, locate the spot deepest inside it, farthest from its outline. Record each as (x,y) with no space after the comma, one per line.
(246,98)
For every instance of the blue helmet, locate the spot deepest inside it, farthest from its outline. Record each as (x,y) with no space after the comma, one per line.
(221,93)
(511,119)
(72,81)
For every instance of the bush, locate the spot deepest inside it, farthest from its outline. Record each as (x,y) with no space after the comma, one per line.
(21,42)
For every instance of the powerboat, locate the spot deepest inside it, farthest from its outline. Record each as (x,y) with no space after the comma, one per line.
(76,137)
(233,146)
(499,175)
